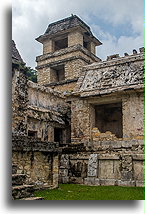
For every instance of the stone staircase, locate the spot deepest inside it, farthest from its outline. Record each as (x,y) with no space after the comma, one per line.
(20,190)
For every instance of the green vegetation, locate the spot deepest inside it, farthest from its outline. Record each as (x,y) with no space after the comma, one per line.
(81,192)
(31,74)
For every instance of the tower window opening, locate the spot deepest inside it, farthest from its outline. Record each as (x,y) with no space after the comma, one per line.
(86,44)
(58,73)
(60,44)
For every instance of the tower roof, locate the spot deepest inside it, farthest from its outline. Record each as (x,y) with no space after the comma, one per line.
(67,25)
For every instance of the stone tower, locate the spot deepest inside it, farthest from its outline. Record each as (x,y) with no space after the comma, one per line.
(68,45)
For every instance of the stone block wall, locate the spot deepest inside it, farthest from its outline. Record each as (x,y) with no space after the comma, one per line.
(65,87)
(108,163)
(83,116)
(40,96)
(36,166)
(73,68)
(43,76)
(73,58)
(80,119)
(133,110)
(37,160)
(19,101)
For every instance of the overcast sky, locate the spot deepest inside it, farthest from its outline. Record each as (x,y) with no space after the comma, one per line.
(118,24)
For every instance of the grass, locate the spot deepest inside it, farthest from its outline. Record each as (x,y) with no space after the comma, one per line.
(82,192)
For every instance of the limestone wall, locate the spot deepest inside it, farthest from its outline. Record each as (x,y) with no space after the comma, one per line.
(133,110)
(66,88)
(44,97)
(80,119)
(47,110)
(105,163)
(74,38)
(83,116)
(117,80)
(73,58)
(73,68)
(19,101)
(35,159)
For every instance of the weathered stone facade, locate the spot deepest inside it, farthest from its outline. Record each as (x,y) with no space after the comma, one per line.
(68,45)
(37,160)
(38,113)
(83,121)
(106,83)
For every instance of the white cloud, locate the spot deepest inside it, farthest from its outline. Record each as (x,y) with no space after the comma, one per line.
(112,45)
(31,18)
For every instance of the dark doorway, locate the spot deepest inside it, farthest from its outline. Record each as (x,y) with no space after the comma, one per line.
(58,135)
(32,133)
(109,118)
(68,135)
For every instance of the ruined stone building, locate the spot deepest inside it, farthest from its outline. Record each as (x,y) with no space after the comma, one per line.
(83,121)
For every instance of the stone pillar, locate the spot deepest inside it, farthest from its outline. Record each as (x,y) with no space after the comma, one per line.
(80,128)
(92,165)
(19,102)
(63,169)
(93,48)
(48,46)
(55,171)
(92,171)
(132,110)
(75,38)
(50,134)
(126,165)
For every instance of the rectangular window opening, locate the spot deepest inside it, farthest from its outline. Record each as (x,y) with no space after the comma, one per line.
(57,73)
(32,133)
(86,44)
(58,135)
(108,117)
(60,44)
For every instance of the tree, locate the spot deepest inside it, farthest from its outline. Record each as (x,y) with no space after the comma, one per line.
(31,74)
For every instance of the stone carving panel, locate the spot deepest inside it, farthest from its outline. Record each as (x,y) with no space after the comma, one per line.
(92,165)
(114,76)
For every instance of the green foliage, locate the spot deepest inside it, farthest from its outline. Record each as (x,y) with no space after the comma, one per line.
(31,74)
(82,192)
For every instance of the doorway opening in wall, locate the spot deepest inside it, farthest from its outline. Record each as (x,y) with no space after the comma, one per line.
(108,117)
(58,136)
(57,73)
(68,135)
(86,43)
(32,133)
(60,43)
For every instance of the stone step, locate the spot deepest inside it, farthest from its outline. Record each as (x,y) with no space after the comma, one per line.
(14,168)
(18,179)
(22,191)
(32,199)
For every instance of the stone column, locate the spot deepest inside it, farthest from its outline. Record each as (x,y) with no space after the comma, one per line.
(63,169)
(92,170)
(93,48)
(48,46)
(75,38)
(50,134)
(55,171)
